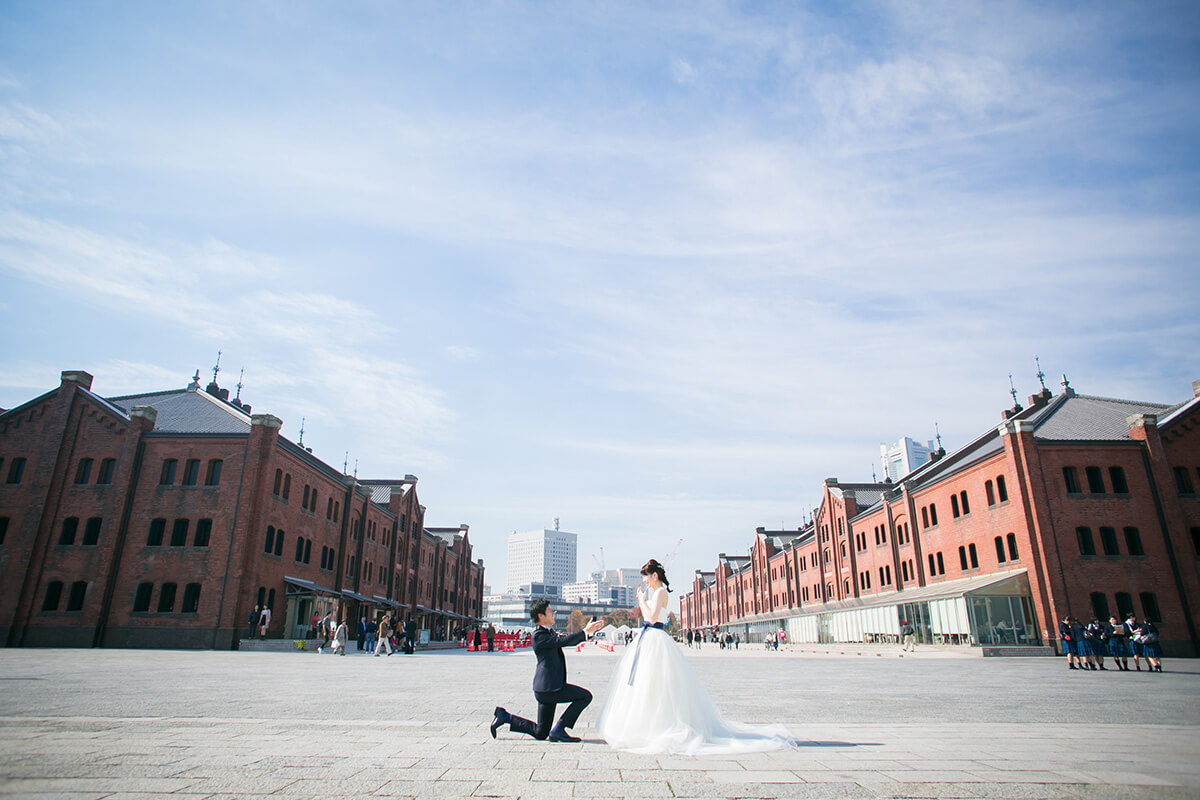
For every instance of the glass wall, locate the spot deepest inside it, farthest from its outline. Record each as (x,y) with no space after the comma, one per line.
(1003,620)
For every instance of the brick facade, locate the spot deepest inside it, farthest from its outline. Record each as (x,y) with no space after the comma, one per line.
(1091,504)
(160,520)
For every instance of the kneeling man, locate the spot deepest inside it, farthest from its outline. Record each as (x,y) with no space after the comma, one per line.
(550,685)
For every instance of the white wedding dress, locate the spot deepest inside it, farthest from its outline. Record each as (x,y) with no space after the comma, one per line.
(664,709)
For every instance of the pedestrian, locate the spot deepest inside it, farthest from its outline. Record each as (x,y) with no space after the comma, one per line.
(737,640)
(340,636)
(252,620)
(361,629)
(1135,647)
(491,637)
(478,639)
(908,634)
(328,626)
(1067,637)
(385,630)
(410,636)
(1093,632)
(1151,648)
(264,621)
(372,634)
(1118,643)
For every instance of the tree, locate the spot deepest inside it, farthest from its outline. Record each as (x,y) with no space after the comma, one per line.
(672,624)
(622,617)
(575,621)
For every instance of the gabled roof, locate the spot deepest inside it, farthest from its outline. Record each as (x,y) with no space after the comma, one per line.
(183,411)
(1086,418)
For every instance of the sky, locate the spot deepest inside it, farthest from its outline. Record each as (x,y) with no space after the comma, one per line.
(654,269)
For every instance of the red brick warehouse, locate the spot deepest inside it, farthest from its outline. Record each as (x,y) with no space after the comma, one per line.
(162,519)
(1074,505)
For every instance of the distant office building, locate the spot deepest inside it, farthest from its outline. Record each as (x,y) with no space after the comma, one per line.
(598,591)
(625,576)
(510,610)
(903,457)
(543,556)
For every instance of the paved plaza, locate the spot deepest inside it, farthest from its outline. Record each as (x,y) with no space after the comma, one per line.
(121,724)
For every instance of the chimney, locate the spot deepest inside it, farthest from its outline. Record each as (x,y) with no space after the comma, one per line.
(78,376)
(144,417)
(1196,388)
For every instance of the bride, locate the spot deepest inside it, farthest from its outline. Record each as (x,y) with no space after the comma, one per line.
(655,702)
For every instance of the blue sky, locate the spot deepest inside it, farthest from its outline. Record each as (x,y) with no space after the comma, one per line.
(654,269)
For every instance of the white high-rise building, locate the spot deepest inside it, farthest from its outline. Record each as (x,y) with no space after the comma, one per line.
(903,457)
(545,556)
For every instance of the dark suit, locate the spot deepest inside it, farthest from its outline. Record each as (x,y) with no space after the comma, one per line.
(550,685)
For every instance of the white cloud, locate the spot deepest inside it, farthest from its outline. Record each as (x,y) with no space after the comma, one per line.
(682,72)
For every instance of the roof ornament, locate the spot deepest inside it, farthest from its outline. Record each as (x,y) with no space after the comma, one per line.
(1041,376)
(939,435)
(873,479)
(238,399)
(346,464)
(217,366)
(195,384)
(301,442)
(1012,390)
(1067,390)
(356,469)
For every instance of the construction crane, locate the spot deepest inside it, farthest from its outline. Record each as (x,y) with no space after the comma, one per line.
(675,552)
(600,562)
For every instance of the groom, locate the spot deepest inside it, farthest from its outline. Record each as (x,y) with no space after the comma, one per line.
(550,685)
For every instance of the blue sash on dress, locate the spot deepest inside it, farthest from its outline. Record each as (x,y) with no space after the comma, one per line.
(638,647)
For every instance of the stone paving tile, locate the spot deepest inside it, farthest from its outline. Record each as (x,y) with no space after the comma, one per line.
(24,786)
(758,776)
(407,788)
(603,789)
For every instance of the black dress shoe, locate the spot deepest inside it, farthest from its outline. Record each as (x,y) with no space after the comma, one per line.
(560,735)
(499,717)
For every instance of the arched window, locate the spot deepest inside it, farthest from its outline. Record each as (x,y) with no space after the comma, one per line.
(1100,606)
(932,568)
(941,564)
(974,555)
(966,506)
(299,549)
(962,558)
(141,598)
(84,472)
(278,486)
(1133,542)
(307,551)
(933,514)
(954,505)
(313,501)
(924,516)
(1000,559)
(70,527)
(91,531)
(1001,490)
(1012,547)
(278,544)
(304,499)
(78,593)
(991,495)
(191,599)
(287,486)
(166,598)
(53,596)
(269,545)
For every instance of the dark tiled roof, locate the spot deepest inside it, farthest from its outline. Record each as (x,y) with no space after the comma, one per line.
(1084,418)
(181,411)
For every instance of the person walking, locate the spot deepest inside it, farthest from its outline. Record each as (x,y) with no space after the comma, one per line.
(264,621)
(410,636)
(383,632)
(252,620)
(908,636)
(341,635)
(491,637)
(361,629)
(1067,637)
(1147,636)
(1135,646)
(327,628)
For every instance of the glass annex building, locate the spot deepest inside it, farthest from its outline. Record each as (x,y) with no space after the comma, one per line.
(988,610)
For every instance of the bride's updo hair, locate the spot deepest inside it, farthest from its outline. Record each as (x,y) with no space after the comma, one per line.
(652,567)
